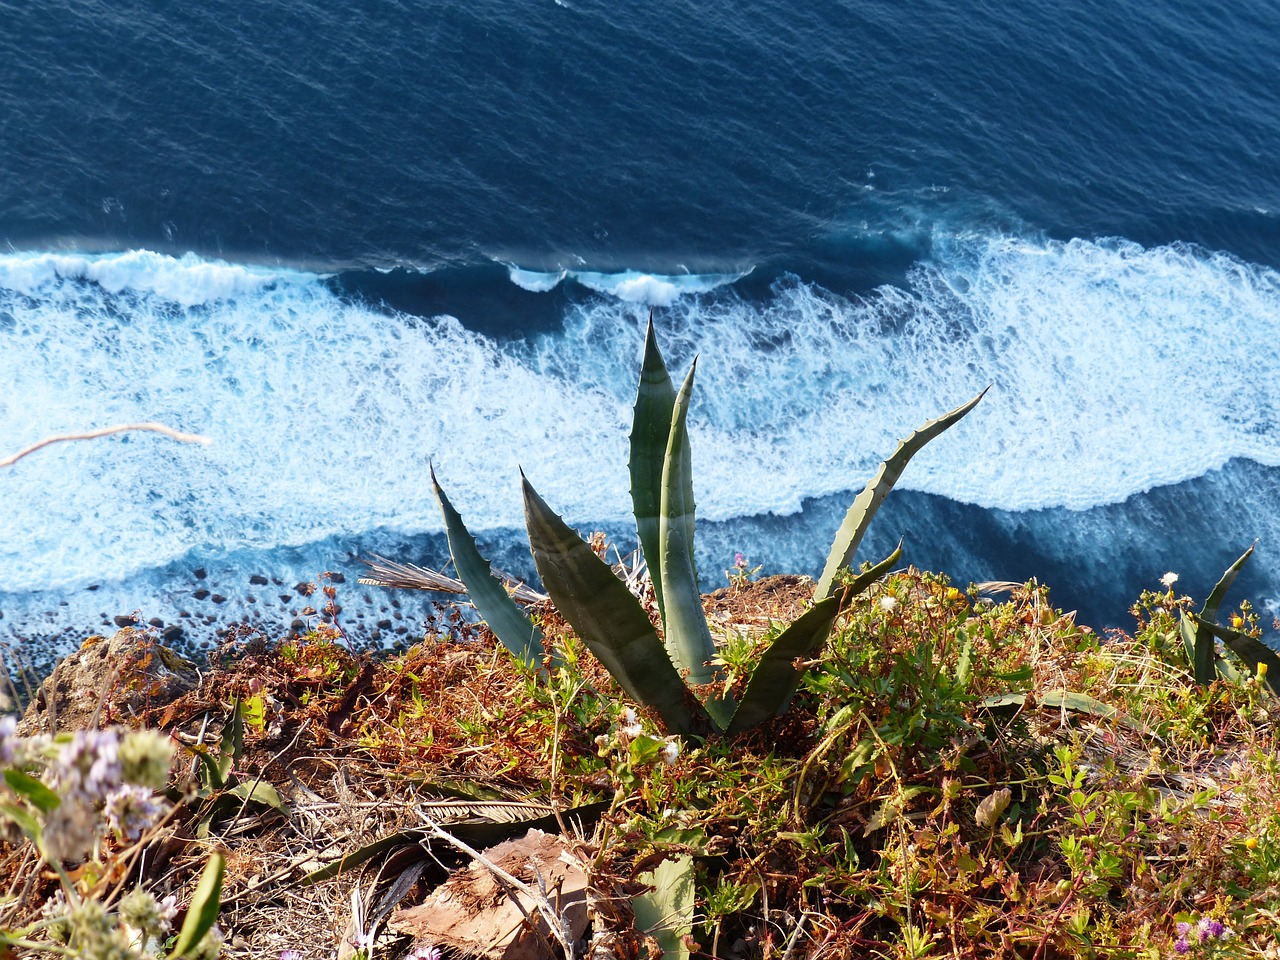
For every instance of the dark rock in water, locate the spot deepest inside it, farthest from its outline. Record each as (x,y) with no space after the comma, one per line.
(171,633)
(201,593)
(384,624)
(185,614)
(201,573)
(124,620)
(258,580)
(93,586)
(149,675)
(337,578)
(277,581)
(297,625)
(156,622)
(218,598)
(286,597)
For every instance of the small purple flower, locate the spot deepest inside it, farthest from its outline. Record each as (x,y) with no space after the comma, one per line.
(424,952)
(290,955)
(1211,929)
(1181,946)
(739,560)
(1183,929)
(130,810)
(89,766)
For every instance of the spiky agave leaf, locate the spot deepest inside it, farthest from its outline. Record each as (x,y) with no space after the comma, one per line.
(607,618)
(688,638)
(865,505)
(1197,637)
(650,430)
(774,680)
(509,623)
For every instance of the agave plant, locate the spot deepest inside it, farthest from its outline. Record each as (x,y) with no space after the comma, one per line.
(1199,631)
(661,671)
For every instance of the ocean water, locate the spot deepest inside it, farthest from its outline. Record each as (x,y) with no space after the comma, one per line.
(347,244)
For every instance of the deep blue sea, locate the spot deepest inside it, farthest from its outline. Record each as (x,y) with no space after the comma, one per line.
(346,241)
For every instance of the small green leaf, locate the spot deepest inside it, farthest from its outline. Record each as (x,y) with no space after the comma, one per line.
(28,824)
(41,797)
(203,911)
(865,505)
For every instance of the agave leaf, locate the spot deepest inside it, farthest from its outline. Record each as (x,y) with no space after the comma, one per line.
(773,682)
(650,430)
(203,911)
(1196,637)
(865,505)
(859,584)
(688,637)
(508,622)
(666,911)
(608,619)
(258,792)
(1077,703)
(1210,609)
(1249,649)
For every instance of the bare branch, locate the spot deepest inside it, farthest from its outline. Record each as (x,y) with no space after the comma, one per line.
(105,431)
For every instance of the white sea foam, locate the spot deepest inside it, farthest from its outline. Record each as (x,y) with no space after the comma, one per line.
(630,286)
(1115,368)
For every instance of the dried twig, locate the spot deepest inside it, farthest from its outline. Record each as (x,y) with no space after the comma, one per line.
(105,431)
(410,576)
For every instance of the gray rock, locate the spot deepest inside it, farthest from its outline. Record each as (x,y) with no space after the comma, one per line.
(106,681)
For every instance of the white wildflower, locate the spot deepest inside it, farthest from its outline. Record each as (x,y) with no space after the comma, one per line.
(888,604)
(670,752)
(631,723)
(1169,579)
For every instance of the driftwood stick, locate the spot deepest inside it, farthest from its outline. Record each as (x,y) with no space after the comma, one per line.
(105,431)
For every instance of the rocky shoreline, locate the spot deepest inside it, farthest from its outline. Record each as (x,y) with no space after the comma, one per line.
(214,608)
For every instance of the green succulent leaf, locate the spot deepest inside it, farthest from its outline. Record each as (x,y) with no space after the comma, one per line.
(258,792)
(1197,635)
(1249,649)
(865,505)
(203,911)
(232,746)
(607,618)
(666,911)
(1210,609)
(773,682)
(688,637)
(650,430)
(509,623)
